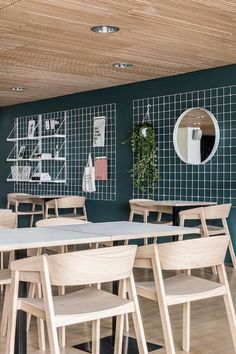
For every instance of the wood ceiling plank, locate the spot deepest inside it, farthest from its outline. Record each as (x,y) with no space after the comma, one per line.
(47,46)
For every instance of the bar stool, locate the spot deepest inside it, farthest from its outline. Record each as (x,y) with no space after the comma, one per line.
(14,200)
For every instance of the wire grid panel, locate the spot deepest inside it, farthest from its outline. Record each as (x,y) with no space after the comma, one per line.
(213,181)
(78,128)
(49,134)
(80,144)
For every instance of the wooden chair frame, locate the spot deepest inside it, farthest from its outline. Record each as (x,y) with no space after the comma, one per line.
(70,202)
(15,199)
(141,207)
(79,268)
(204,214)
(184,288)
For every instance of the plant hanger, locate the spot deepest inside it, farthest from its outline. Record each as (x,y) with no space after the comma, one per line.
(146,117)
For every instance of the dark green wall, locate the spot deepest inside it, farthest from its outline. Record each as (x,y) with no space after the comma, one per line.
(122,96)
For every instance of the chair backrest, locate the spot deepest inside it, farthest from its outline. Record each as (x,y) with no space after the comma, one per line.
(182,255)
(91,266)
(192,254)
(220,211)
(191,214)
(59,221)
(23,198)
(8,220)
(139,201)
(70,202)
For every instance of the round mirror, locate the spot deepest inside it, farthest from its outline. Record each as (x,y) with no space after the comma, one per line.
(196,136)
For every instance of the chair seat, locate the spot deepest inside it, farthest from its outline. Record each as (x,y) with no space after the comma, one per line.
(5,276)
(182,288)
(213,230)
(80,306)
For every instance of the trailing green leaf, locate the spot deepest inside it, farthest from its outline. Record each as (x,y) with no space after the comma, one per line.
(145,171)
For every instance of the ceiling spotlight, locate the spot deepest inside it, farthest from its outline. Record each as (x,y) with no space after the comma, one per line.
(18,89)
(122,65)
(105,29)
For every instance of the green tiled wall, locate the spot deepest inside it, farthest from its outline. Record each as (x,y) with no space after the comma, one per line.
(123,96)
(213,181)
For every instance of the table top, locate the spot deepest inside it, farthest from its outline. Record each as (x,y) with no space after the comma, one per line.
(174,203)
(16,239)
(5,210)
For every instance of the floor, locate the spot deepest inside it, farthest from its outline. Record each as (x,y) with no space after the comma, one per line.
(209,330)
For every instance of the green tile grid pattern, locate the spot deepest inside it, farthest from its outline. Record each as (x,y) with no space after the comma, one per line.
(79,142)
(213,181)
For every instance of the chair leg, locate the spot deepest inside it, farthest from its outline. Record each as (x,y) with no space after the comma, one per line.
(119,334)
(10,345)
(5,311)
(40,323)
(53,339)
(126,323)
(131,215)
(96,337)
(31,294)
(32,216)
(232,253)
(136,315)
(1,267)
(186,327)
(62,330)
(229,306)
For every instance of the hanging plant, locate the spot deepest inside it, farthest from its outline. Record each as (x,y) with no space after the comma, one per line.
(145,171)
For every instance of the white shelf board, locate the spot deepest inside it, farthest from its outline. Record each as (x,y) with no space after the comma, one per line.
(36,181)
(31,159)
(38,137)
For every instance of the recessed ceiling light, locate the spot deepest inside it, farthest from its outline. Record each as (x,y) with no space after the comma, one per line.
(123,65)
(105,29)
(18,89)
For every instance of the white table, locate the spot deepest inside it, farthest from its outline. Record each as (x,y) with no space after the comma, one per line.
(25,238)
(175,205)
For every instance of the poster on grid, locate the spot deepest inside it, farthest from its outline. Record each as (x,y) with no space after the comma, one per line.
(99,131)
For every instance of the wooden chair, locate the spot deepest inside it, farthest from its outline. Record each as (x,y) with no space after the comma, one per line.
(89,304)
(7,221)
(184,288)
(205,214)
(143,207)
(33,288)
(71,202)
(14,200)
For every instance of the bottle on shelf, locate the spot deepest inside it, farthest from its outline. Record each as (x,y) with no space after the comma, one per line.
(56,154)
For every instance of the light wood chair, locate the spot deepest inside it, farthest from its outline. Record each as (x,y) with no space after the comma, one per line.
(7,221)
(143,207)
(184,288)
(71,202)
(205,214)
(34,288)
(15,200)
(89,304)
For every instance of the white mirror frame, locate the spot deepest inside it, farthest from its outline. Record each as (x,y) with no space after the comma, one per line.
(217,135)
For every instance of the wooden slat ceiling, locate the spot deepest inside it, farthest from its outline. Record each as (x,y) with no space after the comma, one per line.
(47,47)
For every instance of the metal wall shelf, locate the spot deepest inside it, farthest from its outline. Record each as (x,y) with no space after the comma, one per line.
(44,141)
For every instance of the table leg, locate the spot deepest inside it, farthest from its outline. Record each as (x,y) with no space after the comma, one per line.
(107,343)
(21,335)
(175,220)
